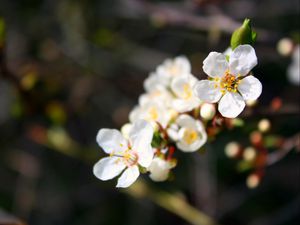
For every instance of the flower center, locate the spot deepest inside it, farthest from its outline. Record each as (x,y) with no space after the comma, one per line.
(190,136)
(130,157)
(187,91)
(228,82)
(152,114)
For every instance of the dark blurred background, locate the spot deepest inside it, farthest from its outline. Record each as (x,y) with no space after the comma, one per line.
(77,66)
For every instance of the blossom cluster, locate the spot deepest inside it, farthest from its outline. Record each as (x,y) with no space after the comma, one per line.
(177,112)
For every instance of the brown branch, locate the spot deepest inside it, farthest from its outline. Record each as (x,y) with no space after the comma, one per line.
(291,109)
(180,16)
(286,147)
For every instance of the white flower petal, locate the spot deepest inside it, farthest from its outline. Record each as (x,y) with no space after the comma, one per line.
(228,51)
(231,105)
(108,168)
(205,90)
(171,68)
(242,60)
(185,121)
(188,122)
(141,131)
(190,147)
(215,64)
(183,63)
(151,82)
(180,85)
(111,140)
(128,177)
(173,134)
(141,137)
(134,114)
(182,105)
(250,88)
(159,169)
(145,156)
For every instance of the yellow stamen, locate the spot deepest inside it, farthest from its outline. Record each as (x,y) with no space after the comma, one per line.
(130,158)
(112,153)
(187,91)
(229,82)
(190,136)
(153,114)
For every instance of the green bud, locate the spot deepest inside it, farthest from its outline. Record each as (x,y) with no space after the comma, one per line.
(243,35)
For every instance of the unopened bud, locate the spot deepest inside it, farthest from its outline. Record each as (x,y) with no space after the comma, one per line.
(207,111)
(249,153)
(232,149)
(253,180)
(264,125)
(256,138)
(243,35)
(285,46)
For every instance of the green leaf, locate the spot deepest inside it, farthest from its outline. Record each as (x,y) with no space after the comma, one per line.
(243,35)
(157,140)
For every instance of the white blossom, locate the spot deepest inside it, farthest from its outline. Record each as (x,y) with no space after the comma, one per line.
(172,68)
(158,94)
(229,82)
(152,111)
(124,154)
(191,134)
(185,100)
(153,82)
(159,169)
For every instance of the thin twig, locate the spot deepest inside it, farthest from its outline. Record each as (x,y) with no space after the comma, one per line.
(178,16)
(287,146)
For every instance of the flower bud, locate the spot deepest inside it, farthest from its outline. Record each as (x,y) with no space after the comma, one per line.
(285,46)
(243,35)
(256,138)
(253,180)
(264,125)
(159,169)
(232,149)
(249,153)
(207,111)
